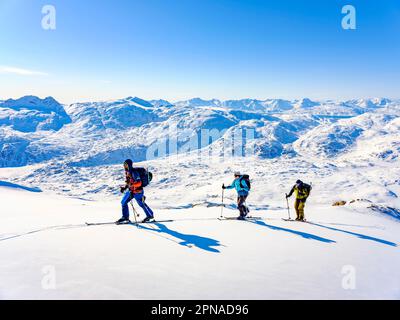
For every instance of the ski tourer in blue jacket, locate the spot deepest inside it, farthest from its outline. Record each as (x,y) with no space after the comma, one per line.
(242,189)
(240,186)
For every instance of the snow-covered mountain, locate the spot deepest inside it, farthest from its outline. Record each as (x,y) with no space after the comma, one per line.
(68,147)
(30,114)
(370,133)
(36,130)
(25,124)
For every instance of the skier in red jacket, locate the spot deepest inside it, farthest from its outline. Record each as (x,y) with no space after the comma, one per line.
(135,191)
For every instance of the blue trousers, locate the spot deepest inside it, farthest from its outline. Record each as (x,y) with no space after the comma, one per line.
(139,197)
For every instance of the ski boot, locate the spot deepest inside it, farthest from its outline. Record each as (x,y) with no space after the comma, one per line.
(148,219)
(123,220)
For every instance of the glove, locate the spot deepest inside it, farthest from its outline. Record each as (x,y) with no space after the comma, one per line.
(223,186)
(122,189)
(287,196)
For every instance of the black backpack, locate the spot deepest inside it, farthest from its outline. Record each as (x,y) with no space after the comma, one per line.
(307,188)
(246,179)
(145,176)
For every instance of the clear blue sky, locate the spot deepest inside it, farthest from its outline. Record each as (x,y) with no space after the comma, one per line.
(178,49)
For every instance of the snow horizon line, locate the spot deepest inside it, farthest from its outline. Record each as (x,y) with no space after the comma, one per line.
(218,101)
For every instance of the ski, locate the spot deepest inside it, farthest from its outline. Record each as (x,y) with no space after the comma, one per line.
(98,223)
(236,218)
(155,221)
(293,220)
(125,223)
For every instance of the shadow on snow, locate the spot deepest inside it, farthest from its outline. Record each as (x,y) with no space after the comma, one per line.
(203,243)
(18,186)
(359,235)
(298,233)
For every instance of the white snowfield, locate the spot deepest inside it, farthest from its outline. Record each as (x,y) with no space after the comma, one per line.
(48,252)
(64,169)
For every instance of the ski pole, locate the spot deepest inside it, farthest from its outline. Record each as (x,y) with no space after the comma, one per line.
(287,201)
(222,208)
(134,214)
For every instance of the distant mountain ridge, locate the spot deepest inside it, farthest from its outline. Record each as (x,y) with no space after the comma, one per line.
(34,130)
(30,114)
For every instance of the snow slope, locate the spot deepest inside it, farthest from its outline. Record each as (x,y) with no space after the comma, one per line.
(194,257)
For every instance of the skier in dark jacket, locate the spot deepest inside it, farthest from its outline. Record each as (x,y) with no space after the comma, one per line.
(302,192)
(242,189)
(135,191)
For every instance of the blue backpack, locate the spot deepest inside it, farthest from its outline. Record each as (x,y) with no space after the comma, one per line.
(245,182)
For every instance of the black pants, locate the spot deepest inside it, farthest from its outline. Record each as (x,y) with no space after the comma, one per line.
(242,208)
